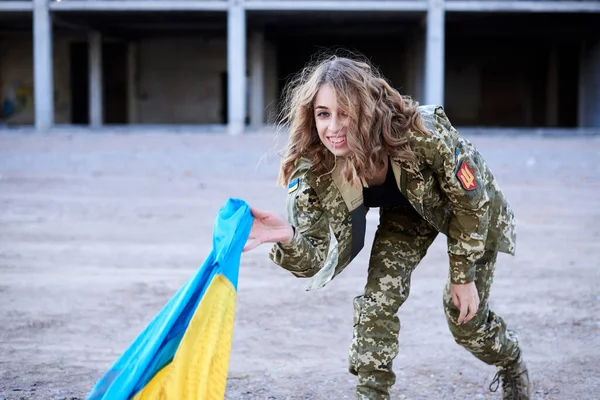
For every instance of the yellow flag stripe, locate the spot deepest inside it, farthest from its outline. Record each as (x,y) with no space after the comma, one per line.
(200,366)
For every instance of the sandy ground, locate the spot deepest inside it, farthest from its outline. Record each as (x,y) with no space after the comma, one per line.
(98,231)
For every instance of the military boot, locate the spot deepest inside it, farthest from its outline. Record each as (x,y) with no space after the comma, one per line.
(515,381)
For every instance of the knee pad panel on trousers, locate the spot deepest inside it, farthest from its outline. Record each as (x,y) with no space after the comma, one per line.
(489,340)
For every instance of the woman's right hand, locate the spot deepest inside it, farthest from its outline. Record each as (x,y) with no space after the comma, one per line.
(268,227)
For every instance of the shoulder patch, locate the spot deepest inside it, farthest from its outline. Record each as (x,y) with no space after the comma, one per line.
(293,185)
(466,176)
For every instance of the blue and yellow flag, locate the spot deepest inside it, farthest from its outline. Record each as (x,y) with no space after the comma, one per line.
(184,352)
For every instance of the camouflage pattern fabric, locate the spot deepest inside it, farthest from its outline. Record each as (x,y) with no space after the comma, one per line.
(451,191)
(304,256)
(401,241)
(474,217)
(450,186)
(316,207)
(486,335)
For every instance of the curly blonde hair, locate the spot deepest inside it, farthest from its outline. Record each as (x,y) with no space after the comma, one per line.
(378,118)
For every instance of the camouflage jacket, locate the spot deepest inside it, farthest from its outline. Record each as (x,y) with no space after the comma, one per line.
(450,185)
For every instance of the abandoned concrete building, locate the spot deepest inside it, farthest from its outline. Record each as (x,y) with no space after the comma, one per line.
(491,63)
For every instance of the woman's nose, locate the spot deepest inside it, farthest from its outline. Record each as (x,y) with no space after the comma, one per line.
(334,125)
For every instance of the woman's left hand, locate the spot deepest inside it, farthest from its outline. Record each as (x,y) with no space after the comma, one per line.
(466,299)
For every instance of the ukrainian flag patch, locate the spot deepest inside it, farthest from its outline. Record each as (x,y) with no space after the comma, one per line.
(293,185)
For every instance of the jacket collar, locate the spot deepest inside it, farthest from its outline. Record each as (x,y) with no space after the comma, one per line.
(410,182)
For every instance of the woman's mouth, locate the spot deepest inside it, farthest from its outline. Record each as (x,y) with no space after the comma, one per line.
(337,141)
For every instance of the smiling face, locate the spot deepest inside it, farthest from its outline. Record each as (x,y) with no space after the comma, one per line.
(331,121)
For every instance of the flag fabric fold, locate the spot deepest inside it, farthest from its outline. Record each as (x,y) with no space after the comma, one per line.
(183,353)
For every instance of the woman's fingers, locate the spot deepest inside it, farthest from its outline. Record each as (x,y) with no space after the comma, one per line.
(466,298)
(472,310)
(455,299)
(257,213)
(468,311)
(463,312)
(252,245)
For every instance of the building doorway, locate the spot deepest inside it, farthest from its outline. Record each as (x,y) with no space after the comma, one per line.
(114,83)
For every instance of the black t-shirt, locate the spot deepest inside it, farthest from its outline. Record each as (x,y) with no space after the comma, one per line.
(385,195)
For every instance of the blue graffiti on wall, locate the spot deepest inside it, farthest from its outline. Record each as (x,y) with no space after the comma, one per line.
(18,97)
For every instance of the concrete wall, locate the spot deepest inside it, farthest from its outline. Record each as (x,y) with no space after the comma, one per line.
(486,87)
(180,80)
(16,80)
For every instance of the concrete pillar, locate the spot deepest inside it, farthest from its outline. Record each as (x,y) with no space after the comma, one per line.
(42,66)
(434,53)
(257,80)
(589,84)
(236,67)
(132,111)
(95,71)
(552,89)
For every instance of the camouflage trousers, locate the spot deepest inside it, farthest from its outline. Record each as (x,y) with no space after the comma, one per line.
(401,241)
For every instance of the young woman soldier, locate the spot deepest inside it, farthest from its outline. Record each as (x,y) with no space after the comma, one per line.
(355,143)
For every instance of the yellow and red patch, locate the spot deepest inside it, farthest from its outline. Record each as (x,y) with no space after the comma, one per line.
(466,176)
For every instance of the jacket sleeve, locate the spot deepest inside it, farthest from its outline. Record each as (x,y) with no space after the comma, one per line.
(460,172)
(305,255)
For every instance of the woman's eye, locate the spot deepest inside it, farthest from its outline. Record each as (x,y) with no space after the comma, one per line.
(323,114)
